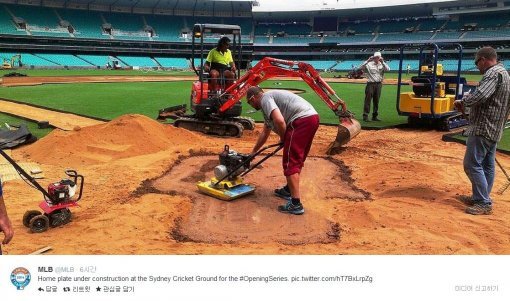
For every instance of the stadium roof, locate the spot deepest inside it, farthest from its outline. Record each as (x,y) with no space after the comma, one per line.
(328,5)
(183,5)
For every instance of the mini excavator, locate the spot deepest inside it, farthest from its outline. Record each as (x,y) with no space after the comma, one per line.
(433,93)
(218,112)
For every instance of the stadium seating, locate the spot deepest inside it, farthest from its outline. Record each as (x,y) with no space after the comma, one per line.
(29,59)
(166,28)
(65,60)
(178,63)
(39,22)
(138,61)
(6,24)
(87,24)
(96,60)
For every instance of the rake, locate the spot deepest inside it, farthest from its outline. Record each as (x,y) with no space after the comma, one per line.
(507,184)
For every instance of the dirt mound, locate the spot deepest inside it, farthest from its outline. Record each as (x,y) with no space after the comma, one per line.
(126,136)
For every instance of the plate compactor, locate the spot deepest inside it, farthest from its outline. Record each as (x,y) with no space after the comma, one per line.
(227,183)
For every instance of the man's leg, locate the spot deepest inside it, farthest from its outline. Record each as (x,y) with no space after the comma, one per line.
(229,78)
(213,80)
(489,166)
(293,183)
(368,99)
(477,149)
(298,140)
(377,96)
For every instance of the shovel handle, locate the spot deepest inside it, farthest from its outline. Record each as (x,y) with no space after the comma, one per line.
(502,169)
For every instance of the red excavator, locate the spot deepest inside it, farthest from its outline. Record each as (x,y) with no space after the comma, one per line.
(218,112)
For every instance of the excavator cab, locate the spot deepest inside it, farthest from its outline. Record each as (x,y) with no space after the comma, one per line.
(205,102)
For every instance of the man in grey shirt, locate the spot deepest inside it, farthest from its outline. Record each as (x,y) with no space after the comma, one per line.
(489,109)
(296,122)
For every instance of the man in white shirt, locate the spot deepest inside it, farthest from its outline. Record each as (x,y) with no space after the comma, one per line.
(374,69)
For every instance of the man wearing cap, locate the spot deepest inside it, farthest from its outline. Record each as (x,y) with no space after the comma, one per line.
(5,223)
(295,121)
(374,68)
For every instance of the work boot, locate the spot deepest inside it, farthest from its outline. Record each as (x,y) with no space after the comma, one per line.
(466,199)
(375,119)
(480,209)
(291,208)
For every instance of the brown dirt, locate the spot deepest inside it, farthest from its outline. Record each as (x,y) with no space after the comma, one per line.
(389,192)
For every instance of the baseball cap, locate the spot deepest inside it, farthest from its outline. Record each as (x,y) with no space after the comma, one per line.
(377,53)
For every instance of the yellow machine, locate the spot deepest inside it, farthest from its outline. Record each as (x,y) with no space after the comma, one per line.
(433,93)
(428,69)
(10,64)
(228,184)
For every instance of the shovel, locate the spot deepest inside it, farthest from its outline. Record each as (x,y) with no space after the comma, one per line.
(507,184)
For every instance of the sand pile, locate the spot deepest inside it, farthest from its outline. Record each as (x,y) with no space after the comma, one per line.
(126,136)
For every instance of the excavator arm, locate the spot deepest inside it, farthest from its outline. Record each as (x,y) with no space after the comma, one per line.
(274,68)
(269,68)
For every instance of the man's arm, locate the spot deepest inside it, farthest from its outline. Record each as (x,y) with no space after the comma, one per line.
(207,67)
(365,63)
(5,223)
(261,139)
(279,123)
(385,65)
(485,89)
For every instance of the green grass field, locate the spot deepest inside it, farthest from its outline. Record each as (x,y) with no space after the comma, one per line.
(111,100)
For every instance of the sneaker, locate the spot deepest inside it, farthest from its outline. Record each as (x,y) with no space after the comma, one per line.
(366,119)
(282,192)
(375,119)
(291,208)
(479,209)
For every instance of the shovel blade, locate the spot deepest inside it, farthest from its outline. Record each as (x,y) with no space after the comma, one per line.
(347,130)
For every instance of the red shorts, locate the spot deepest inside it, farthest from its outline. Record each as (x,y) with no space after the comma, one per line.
(298,140)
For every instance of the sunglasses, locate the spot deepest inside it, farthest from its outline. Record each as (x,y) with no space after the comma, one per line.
(478,60)
(251,98)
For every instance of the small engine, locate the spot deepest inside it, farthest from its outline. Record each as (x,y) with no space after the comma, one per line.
(229,160)
(61,191)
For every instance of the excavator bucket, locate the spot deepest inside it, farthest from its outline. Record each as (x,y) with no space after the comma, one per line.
(174,112)
(347,129)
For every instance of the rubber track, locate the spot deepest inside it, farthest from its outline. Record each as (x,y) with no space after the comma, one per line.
(220,128)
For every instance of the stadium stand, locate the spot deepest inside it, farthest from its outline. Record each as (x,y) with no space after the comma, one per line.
(138,61)
(178,63)
(86,24)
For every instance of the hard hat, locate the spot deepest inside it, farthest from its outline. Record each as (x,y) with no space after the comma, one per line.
(377,54)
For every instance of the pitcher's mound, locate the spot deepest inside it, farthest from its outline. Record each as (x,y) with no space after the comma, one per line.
(254,218)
